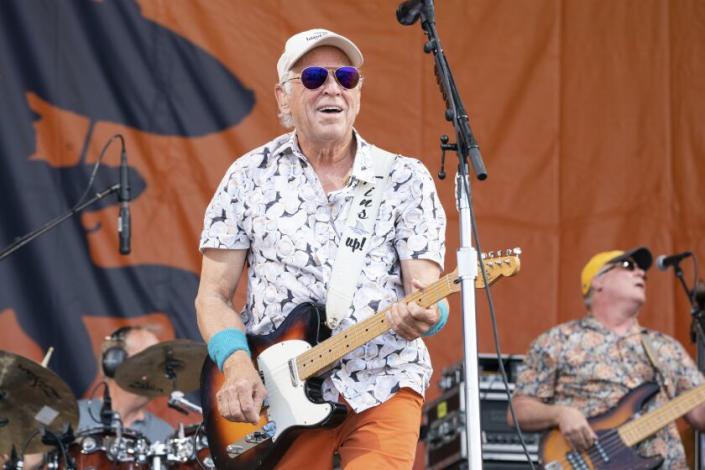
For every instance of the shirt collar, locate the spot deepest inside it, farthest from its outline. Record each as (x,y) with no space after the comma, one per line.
(593,323)
(362,164)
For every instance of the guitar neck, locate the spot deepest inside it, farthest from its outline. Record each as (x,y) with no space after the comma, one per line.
(334,348)
(639,429)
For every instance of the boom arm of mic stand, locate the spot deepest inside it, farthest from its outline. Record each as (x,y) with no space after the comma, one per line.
(455,111)
(53,223)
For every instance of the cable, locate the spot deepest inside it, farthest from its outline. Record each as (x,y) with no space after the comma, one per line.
(493,319)
(26,444)
(60,443)
(196,443)
(19,242)
(97,165)
(92,397)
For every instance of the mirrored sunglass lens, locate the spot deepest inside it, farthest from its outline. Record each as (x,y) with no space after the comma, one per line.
(313,77)
(347,77)
(628,265)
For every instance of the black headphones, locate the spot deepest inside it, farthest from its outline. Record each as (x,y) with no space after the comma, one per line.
(114,352)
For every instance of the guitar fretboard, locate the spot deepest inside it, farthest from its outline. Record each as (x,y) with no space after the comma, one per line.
(334,348)
(639,429)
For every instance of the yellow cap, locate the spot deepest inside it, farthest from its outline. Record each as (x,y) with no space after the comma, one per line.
(641,255)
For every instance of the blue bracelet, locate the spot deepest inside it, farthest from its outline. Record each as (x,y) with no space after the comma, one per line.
(224,343)
(443,310)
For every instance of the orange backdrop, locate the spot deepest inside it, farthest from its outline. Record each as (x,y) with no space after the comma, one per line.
(587,113)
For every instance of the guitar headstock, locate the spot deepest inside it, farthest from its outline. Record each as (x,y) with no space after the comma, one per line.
(498,264)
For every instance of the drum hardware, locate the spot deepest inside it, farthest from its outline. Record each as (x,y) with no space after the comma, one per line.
(33,399)
(171,368)
(178,401)
(104,448)
(188,449)
(158,455)
(61,444)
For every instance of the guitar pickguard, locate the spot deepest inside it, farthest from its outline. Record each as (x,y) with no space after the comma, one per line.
(289,406)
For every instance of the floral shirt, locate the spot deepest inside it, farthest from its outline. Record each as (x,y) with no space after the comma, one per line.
(585,365)
(271,203)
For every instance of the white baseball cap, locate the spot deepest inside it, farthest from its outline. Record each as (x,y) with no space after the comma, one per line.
(300,43)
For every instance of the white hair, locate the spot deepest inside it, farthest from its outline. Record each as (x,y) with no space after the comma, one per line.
(285,119)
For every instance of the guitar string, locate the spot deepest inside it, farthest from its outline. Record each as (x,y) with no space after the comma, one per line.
(441,289)
(355,333)
(593,452)
(614,441)
(339,340)
(360,333)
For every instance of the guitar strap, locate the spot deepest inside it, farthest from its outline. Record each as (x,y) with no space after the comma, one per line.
(354,243)
(664,383)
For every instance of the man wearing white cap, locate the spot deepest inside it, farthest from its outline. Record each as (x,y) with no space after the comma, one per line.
(582,368)
(293,209)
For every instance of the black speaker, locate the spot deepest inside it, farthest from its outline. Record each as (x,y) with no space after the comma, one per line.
(499,465)
(114,352)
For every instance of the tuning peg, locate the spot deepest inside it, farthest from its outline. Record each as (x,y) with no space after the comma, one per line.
(490,254)
(483,255)
(517,251)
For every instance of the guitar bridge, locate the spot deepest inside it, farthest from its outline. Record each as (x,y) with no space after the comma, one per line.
(251,440)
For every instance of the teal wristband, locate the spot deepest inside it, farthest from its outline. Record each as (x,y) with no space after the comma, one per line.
(443,310)
(224,343)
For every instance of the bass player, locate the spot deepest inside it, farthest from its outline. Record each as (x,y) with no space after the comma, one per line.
(582,368)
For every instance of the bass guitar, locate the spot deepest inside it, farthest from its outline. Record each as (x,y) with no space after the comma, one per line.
(617,433)
(290,360)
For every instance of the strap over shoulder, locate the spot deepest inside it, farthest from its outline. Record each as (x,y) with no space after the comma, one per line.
(354,243)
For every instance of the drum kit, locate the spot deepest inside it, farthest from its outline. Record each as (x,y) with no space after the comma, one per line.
(38,415)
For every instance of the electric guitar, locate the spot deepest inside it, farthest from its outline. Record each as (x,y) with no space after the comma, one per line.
(289,360)
(613,448)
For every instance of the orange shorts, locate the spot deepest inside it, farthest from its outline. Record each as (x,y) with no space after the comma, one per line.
(382,437)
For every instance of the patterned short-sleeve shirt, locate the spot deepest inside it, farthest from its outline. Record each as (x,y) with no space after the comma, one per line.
(585,365)
(272,204)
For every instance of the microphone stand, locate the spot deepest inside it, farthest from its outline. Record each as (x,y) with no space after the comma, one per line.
(465,146)
(123,198)
(22,241)
(696,297)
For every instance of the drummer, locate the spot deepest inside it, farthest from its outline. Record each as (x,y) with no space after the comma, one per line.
(122,343)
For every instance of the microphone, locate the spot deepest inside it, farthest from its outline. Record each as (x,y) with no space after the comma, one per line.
(124,199)
(409,11)
(106,410)
(663,261)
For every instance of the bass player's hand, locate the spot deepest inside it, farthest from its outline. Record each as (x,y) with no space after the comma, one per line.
(240,398)
(575,428)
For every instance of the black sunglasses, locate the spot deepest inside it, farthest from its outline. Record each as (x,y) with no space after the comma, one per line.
(627,264)
(313,77)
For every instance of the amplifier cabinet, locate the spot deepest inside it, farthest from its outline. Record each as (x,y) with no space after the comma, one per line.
(446,445)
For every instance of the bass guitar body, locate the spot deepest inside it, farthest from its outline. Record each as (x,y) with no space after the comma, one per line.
(609,452)
(292,406)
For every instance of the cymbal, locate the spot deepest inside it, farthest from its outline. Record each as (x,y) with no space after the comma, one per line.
(162,368)
(32,397)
